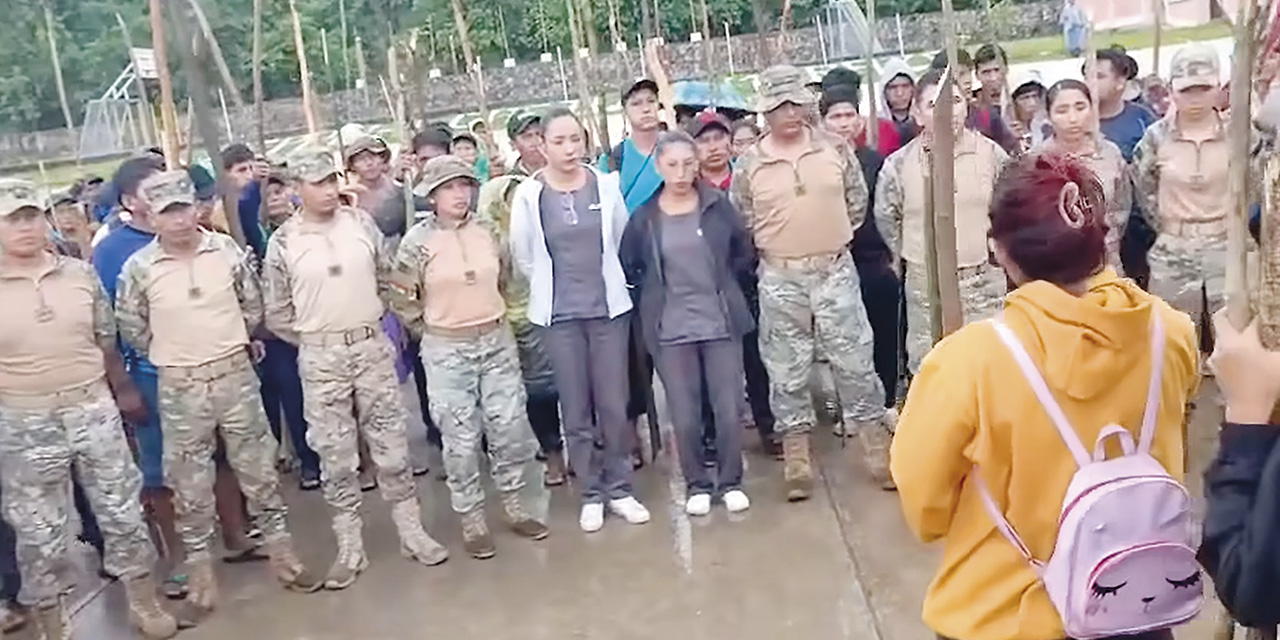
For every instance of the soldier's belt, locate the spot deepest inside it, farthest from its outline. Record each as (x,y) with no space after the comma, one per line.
(465,332)
(807,263)
(77,395)
(1195,228)
(338,338)
(223,366)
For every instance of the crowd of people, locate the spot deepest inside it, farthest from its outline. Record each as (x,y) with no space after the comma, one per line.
(531,302)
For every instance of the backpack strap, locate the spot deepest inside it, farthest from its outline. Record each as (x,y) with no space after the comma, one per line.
(1041,389)
(1002,523)
(1148,433)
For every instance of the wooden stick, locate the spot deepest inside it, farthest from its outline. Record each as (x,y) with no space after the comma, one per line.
(873,120)
(1159,36)
(308,109)
(364,71)
(346,56)
(216,50)
(585,105)
(168,113)
(397,114)
(57,65)
(1240,134)
(1091,75)
(468,54)
(259,108)
(658,72)
(947,307)
(148,123)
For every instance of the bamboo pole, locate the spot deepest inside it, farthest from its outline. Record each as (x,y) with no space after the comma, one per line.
(216,50)
(1240,134)
(873,121)
(168,113)
(148,121)
(308,108)
(259,107)
(57,66)
(946,309)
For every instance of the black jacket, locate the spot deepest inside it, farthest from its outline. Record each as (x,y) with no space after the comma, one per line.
(731,250)
(1241,545)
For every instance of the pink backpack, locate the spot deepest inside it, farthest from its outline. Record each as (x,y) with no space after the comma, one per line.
(1123,562)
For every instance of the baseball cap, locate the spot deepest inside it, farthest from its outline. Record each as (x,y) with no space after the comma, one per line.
(520,121)
(1196,65)
(440,170)
(639,84)
(16,195)
(707,120)
(366,143)
(168,188)
(841,76)
(312,164)
(1028,81)
(468,136)
(782,84)
(62,197)
(205,185)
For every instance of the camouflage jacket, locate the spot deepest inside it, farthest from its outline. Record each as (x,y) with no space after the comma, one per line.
(495,209)
(277,282)
(132,298)
(406,290)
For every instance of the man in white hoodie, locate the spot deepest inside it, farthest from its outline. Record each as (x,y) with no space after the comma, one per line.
(897,94)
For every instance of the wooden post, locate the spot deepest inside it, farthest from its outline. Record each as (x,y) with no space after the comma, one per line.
(346,56)
(259,108)
(168,113)
(397,114)
(1091,75)
(469,57)
(1240,135)
(588,22)
(308,108)
(947,303)
(585,105)
(216,50)
(57,66)
(1159,36)
(873,120)
(148,121)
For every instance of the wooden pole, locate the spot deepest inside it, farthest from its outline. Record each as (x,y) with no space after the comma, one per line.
(346,56)
(1240,135)
(588,22)
(1091,74)
(216,50)
(148,121)
(947,311)
(873,121)
(168,113)
(57,66)
(469,57)
(585,105)
(259,107)
(308,108)
(1159,36)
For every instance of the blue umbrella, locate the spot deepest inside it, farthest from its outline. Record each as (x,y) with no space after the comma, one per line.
(700,94)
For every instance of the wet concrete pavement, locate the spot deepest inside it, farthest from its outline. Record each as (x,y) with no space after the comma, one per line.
(842,565)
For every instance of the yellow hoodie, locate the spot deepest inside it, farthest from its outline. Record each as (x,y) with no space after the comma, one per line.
(970,404)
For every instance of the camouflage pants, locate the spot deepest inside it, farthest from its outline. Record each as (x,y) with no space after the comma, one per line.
(197,404)
(38,446)
(1181,266)
(982,291)
(475,389)
(820,304)
(349,389)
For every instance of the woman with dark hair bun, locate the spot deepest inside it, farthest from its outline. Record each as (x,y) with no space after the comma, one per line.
(1072,116)
(974,441)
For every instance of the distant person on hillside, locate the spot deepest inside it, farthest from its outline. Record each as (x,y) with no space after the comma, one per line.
(1074,27)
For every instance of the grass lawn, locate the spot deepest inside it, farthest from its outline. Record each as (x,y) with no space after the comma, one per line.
(1051,47)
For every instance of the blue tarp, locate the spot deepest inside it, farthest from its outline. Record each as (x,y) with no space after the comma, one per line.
(701,94)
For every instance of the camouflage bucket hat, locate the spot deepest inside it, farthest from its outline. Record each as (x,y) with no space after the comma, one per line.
(16,195)
(780,85)
(167,188)
(440,170)
(364,143)
(1196,65)
(312,165)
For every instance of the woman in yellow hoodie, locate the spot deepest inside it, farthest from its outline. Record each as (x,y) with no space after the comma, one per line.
(1088,332)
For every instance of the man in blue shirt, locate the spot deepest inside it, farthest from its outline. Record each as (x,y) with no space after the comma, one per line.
(633,157)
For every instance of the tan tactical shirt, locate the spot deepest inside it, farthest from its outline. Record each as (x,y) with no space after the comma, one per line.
(903,187)
(54,329)
(325,277)
(449,277)
(189,311)
(805,209)
(1182,185)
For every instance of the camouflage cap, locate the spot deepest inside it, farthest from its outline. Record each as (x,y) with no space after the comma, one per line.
(16,195)
(1196,65)
(520,121)
(366,143)
(440,170)
(782,84)
(167,188)
(312,164)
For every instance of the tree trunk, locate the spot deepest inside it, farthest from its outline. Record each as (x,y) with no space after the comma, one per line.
(57,66)
(760,15)
(218,59)
(646,20)
(468,55)
(588,23)
(168,113)
(585,106)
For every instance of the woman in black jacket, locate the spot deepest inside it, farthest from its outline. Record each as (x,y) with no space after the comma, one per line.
(1241,546)
(683,252)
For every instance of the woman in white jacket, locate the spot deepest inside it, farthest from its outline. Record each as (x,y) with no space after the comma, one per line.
(566,224)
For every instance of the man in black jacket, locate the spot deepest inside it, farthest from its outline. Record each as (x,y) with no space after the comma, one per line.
(1241,545)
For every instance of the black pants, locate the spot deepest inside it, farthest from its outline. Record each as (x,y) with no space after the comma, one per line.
(1134,247)
(882,296)
(544,417)
(282,396)
(1150,635)
(414,353)
(757,385)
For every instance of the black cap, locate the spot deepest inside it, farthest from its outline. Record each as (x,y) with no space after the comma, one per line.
(841,76)
(468,136)
(520,122)
(638,85)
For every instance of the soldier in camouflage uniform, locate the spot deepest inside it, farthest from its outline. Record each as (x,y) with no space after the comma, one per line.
(802,194)
(901,195)
(325,276)
(189,302)
(59,367)
(446,286)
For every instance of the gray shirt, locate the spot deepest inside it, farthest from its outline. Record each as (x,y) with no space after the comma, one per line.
(692,310)
(572,225)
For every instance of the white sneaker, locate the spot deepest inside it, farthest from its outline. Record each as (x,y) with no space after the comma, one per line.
(736,501)
(844,431)
(699,504)
(592,517)
(630,509)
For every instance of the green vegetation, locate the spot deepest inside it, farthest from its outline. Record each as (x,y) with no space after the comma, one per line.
(1050,47)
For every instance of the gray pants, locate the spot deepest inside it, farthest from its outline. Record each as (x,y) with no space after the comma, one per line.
(590,362)
(683,367)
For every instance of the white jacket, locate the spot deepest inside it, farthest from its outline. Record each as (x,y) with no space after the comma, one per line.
(531,257)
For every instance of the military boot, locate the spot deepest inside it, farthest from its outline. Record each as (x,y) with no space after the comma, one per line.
(51,621)
(415,543)
(145,612)
(351,560)
(475,534)
(289,570)
(797,469)
(202,586)
(876,436)
(522,522)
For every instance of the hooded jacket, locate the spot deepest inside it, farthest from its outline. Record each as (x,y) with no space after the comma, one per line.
(908,129)
(971,406)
